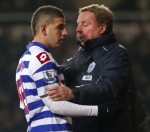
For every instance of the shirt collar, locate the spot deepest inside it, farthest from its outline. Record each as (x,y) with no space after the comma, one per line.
(41,45)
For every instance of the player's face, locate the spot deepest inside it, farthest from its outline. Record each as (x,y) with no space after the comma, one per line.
(56,32)
(87,26)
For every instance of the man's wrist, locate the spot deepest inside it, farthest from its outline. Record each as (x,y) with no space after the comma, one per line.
(75,95)
(71,95)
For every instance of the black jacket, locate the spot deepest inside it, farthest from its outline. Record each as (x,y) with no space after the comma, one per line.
(100,72)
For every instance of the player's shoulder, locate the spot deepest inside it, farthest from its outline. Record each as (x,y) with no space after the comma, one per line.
(40,59)
(40,55)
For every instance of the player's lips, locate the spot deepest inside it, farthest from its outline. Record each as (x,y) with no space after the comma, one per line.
(61,40)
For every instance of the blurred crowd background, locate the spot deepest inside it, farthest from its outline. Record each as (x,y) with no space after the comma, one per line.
(132,26)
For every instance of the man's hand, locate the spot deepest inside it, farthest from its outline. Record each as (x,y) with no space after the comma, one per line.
(60,92)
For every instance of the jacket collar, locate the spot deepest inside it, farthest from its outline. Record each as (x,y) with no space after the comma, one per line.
(98,42)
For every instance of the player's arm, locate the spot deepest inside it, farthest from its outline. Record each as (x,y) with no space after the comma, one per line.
(70,109)
(45,73)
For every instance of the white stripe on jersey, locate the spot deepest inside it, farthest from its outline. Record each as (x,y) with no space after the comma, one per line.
(30,85)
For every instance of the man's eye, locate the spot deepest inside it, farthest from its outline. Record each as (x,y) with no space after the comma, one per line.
(61,27)
(85,25)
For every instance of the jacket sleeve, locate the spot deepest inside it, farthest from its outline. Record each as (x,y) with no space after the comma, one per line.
(114,80)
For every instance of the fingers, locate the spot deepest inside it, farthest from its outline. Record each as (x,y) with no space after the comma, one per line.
(65,93)
(56,97)
(61,84)
(60,92)
(52,91)
(55,93)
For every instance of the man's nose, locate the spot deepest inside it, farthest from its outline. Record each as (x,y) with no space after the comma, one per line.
(65,32)
(78,29)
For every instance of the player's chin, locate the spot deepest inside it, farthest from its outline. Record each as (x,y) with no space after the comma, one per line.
(58,45)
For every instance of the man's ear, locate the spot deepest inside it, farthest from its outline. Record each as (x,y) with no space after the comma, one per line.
(102,28)
(43,30)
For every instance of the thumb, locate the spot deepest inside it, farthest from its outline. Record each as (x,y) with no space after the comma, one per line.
(59,82)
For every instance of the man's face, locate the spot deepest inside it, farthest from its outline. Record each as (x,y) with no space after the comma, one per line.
(87,26)
(56,32)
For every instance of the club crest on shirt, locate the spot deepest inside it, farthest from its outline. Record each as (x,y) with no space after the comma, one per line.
(49,76)
(43,57)
(91,67)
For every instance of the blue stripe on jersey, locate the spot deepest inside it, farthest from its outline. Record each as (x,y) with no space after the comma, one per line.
(26,78)
(26,63)
(51,127)
(47,66)
(28,52)
(40,115)
(41,83)
(39,45)
(18,69)
(35,104)
(22,65)
(29,92)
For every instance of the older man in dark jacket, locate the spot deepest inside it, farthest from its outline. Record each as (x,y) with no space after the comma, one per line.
(99,74)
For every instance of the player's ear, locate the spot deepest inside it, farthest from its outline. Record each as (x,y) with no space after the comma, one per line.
(43,30)
(102,28)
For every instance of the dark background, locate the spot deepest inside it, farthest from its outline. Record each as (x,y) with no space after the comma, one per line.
(132,27)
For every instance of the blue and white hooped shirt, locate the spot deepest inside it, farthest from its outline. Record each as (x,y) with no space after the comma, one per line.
(36,70)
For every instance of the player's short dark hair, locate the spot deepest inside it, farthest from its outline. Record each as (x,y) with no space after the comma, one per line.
(44,15)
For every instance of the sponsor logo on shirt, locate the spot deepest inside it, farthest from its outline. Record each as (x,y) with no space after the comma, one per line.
(49,76)
(43,57)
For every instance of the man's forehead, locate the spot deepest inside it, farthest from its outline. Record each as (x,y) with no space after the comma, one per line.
(84,16)
(59,20)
